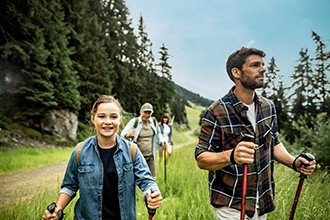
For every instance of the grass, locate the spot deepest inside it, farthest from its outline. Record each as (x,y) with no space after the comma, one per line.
(22,159)
(185,191)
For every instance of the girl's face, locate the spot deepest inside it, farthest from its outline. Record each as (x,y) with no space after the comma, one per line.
(107,119)
(165,120)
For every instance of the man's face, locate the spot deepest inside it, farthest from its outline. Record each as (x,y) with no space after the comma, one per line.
(252,74)
(145,115)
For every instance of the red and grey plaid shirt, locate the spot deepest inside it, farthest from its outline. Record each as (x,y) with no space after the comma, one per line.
(224,124)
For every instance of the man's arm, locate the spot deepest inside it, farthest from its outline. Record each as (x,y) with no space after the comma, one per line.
(282,155)
(302,165)
(243,153)
(213,161)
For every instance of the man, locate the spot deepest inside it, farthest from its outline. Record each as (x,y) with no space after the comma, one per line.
(145,132)
(241,128)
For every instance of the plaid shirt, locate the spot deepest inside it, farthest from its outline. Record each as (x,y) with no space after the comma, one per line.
(224,125)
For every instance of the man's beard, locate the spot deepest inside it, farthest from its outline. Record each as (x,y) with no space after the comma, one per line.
(250,83)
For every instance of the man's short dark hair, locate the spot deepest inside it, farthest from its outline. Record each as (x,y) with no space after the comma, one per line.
(238,58)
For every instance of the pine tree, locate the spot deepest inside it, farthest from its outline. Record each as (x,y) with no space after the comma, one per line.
(303,86)
(64,77)
(322,67)
(167,87)
(122,49)
(270,83)
(23,44)
(90,58)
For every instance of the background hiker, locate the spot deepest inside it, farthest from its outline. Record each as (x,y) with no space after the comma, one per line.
(166,130)
(223,146)
(106,172)
(145,132)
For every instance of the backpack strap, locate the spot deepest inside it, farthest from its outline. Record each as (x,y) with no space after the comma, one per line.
(155,121)
(132,150)
(78,150)
(136,122)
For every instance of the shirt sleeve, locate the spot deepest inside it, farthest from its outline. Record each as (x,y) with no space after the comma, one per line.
(210,134)
(127,128)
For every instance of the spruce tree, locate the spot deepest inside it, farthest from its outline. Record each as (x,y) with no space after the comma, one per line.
(167,86)
(321,77)
(89,59)
(23,44)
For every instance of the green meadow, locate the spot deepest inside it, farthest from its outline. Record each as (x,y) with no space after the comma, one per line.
(183,185)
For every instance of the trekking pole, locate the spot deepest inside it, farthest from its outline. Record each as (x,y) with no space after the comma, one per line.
(246,137)
(151,212)
(244,186)
(302,177)
(165,168)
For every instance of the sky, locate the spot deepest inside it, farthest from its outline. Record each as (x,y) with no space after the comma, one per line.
(201,34)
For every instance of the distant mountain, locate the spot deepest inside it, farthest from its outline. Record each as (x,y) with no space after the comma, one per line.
(193,97)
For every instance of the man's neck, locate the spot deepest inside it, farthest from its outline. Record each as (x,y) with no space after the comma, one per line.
(244,95)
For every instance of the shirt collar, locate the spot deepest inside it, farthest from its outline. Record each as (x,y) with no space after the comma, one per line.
(238,105)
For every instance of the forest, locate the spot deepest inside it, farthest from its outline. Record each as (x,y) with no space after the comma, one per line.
(63,54)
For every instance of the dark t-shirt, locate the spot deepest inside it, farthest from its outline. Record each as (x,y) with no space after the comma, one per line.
(110,210)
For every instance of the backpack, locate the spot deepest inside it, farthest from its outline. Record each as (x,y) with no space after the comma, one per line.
(132,150)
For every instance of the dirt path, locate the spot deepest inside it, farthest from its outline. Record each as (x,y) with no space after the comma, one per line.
(191,140)
(25,185)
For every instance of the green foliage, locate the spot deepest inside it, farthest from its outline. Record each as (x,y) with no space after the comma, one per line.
(314,138)
(193,97)
(321,139)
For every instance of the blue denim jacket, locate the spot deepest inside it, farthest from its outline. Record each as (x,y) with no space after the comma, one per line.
(87,177)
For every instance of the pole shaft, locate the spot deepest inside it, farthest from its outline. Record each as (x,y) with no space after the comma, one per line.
(244,186)
(296,198)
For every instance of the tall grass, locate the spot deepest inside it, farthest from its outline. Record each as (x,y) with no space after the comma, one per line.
(22,159)
(185,191)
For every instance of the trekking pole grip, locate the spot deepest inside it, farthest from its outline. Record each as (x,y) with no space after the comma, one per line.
(308,157)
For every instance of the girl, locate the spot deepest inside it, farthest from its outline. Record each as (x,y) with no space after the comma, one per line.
(105,172)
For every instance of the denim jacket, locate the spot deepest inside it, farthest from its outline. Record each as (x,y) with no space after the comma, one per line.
(87,177)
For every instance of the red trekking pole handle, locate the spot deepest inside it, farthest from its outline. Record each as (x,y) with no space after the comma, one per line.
(302,177)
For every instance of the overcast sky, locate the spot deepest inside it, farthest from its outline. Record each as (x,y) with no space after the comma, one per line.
(200,35)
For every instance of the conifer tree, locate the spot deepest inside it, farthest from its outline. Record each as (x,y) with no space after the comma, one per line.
(304,86)
(149,78)
(64,77)
(167,86)
(23,44)
(321,77)
(122,49)
(89,59)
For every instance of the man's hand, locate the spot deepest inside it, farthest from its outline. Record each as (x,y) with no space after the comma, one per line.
(244,152)
(304,166)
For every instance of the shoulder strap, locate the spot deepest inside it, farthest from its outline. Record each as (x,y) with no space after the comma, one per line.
(132,150)
(155,121)
(78,150)
(136,122)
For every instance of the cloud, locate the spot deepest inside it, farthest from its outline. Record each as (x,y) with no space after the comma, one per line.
(250,43)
